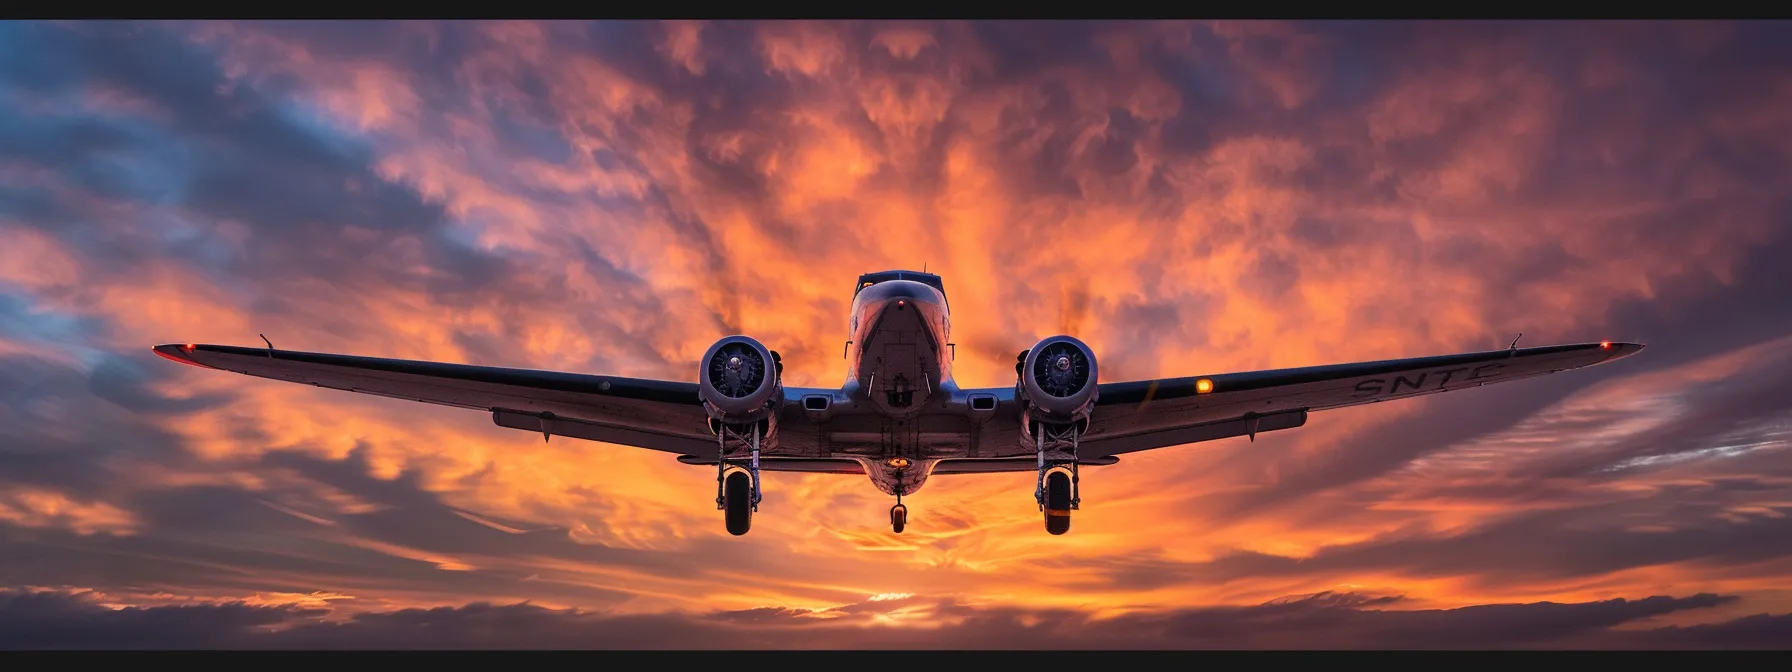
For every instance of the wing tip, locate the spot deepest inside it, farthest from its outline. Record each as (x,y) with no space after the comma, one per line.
(179,353)
(1620,349)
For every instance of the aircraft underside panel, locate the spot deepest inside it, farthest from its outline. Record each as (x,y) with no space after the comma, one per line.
(930,434)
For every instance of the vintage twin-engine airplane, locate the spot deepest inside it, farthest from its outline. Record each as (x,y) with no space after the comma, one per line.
(900,417)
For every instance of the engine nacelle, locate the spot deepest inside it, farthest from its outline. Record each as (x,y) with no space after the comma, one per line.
(1058,380)
(741,381)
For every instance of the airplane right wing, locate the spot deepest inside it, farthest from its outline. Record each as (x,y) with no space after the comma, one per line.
(1148,414)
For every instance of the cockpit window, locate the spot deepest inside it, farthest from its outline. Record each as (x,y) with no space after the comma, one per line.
(928,279)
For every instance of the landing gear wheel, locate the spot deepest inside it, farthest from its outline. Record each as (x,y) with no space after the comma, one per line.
(1057,502)
(737,500)
(898,517)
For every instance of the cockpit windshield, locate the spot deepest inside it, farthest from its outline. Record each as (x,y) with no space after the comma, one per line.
(928,279)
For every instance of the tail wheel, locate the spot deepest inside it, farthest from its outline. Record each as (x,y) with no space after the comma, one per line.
(1057,502)
(898,518)
(737,500)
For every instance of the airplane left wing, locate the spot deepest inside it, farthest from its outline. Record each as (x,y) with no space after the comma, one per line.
(1148,414)
(653,414)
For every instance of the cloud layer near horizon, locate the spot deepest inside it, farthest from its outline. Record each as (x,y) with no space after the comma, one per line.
(53,620)
(612,197)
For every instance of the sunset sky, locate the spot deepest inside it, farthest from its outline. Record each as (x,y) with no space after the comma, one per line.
(613,197)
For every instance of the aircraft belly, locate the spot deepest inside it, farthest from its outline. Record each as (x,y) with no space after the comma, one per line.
(899,364)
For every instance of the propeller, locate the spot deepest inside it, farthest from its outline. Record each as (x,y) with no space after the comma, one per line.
(1061,370)
(737,370)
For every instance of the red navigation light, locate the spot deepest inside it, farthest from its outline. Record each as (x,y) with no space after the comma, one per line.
(177,353)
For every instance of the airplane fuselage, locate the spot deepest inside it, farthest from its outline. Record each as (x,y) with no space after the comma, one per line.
(898,363)
(897,359)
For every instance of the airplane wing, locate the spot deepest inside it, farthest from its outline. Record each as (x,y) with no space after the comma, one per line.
(1147,414)
(653,414)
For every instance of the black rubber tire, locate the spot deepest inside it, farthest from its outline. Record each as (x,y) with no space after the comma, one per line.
(737,499)
(1057,502)
(898,518)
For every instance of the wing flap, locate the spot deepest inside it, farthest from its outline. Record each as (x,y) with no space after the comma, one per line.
(1249,425)
(808,465)
(550,425)
(995,465)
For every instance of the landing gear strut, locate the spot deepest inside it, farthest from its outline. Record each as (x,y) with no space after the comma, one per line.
(898,514)
(737,489)
(1059,491)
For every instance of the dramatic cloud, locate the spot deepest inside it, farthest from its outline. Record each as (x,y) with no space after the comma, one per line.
(613,197)
(49,620)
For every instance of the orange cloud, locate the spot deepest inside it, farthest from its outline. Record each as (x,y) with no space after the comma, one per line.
(1187,198)
(33,507)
